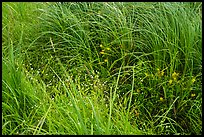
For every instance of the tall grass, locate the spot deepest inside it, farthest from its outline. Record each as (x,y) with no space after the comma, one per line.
(102,68)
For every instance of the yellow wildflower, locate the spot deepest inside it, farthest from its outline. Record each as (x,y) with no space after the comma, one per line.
(193,80)
(101,45)
(161,99)
(170,81)
(175,75)
(160,73)
(102,52)
(106,60)
(108,48)
(193,95)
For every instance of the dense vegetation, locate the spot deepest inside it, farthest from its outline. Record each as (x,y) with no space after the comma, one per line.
(102,68)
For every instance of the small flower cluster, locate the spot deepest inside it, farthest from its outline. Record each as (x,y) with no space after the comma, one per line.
(103,52)
(103,49)
(160,73)
(193,80)
(174,77)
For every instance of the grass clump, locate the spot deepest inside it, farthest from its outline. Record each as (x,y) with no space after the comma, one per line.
(102,68)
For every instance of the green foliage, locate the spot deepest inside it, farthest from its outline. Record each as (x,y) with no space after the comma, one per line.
(102,68)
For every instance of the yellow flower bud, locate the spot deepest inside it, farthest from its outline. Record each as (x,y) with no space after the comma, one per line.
(102,52)
(175,75)
(108,48)
(162,73)
(193,95)
(193,80)
(170,81)
(161,99)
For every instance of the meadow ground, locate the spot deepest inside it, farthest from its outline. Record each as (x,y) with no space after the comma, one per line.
(102,68)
